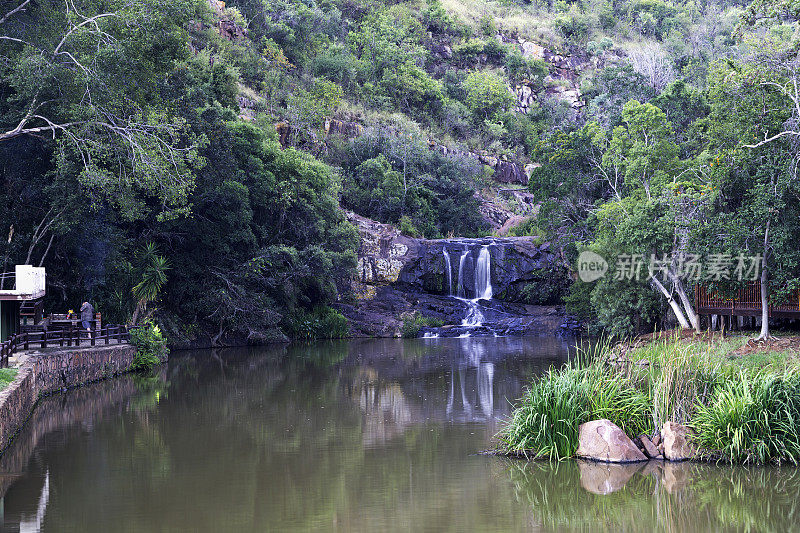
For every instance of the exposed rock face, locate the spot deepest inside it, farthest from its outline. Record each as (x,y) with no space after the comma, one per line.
(601,440)
(383,253)
(346,129)
(676,442)
(525,98)
(492,213)
(227,28)
(386,257)
(398,274)
(510,172)
(531,50)
(515,262)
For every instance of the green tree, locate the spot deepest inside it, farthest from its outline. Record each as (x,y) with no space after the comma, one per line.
(488,95)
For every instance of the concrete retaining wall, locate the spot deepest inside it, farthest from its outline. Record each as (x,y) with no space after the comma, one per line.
(52,371)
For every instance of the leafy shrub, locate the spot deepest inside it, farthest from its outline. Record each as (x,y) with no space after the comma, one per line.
(519,68)
(321,323)
(407,227)
(414,322)
(467,53)
(488,26)
(573,27)
(487,95)
(495,50)
(7,375)
(151,347)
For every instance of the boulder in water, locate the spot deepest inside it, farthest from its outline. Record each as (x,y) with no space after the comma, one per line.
(676,442)
(602,440)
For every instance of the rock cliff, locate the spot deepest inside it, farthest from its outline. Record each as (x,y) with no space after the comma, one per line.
(397,275)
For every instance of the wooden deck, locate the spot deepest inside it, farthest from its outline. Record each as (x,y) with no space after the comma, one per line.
(746,302)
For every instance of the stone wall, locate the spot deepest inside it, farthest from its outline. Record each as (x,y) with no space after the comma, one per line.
(52,371)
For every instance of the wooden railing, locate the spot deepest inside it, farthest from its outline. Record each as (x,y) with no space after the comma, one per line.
(745,301)
(70,336)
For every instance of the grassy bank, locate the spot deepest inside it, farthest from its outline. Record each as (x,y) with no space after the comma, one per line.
(742,409)
(7,375)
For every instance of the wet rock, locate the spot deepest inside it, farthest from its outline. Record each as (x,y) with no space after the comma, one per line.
(605,478)
(676,442)
(657,440)
(601,440)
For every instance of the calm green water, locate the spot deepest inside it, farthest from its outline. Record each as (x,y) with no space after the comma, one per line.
(350,436)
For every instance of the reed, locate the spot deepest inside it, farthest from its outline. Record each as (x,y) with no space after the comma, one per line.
(743,411)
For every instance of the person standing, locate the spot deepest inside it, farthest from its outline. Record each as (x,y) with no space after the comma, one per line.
(87,315)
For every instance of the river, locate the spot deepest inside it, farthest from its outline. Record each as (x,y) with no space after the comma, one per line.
(363,435)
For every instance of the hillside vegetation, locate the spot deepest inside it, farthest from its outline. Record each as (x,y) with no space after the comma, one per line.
(191,159)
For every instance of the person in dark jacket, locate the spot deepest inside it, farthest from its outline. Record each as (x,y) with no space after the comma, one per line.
(87,315)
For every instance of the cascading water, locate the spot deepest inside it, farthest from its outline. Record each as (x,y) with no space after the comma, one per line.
(483,275)
(449,269)
(482,278)
(461,291)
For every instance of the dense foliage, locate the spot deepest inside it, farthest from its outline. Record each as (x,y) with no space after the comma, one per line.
(140,162)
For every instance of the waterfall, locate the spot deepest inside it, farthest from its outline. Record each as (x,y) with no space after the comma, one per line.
(483,275)
(474,317)
(461,291)
(449,269)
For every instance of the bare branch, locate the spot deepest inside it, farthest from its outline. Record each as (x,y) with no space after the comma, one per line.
(15,10)
(770,139)
(90,20)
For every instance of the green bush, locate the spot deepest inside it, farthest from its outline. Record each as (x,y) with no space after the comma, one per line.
(407,227)
(414,322)
(151,347)
(321,323)
(573,27)
(487,25)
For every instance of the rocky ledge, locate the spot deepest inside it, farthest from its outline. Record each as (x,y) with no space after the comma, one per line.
(398,274)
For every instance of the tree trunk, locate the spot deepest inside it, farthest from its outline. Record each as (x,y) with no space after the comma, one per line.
(676,308)
(137,311)
(764,335)
(693,317)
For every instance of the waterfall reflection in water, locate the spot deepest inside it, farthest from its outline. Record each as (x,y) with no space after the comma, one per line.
(362,435)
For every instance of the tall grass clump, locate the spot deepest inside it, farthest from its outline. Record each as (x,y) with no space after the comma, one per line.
(546,422)
(752,419)
(740,411)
